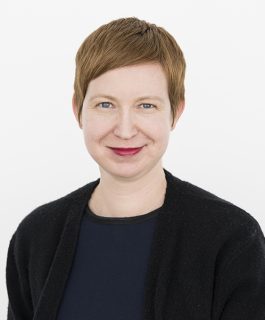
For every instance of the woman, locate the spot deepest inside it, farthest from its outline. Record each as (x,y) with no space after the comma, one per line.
(138,242)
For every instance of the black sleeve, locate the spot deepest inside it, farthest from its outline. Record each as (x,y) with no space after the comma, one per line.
(18,289)
(240,291)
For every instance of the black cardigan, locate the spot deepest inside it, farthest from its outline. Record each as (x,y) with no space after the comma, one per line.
(207,258)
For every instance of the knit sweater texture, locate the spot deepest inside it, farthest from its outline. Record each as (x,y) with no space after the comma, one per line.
(207,258)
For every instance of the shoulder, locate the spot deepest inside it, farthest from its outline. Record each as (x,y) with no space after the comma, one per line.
(217,224)
(216,216)
(49,217)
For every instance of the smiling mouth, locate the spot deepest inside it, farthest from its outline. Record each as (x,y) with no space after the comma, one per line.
(126,149)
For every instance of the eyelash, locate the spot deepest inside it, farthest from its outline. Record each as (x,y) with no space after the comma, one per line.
(154,107)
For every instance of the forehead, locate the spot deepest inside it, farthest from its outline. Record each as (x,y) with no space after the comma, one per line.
(146,79)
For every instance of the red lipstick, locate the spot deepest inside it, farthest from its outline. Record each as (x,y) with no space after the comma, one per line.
(126,151)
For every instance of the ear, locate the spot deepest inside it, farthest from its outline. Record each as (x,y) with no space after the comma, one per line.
(75,110)
(179,111)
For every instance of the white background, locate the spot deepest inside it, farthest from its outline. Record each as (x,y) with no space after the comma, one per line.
(218,143)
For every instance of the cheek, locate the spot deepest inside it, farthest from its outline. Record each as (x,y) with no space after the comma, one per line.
(92,134)
(94,127)
(159,129)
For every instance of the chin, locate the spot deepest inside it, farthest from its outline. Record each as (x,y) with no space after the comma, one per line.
(128,171)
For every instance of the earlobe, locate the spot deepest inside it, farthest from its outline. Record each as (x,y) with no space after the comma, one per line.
(179,112)
(74,106)
(75,110)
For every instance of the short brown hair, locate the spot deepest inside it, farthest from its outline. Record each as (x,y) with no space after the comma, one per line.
(124,42)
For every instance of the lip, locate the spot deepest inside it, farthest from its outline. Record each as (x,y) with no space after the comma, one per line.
(126,151)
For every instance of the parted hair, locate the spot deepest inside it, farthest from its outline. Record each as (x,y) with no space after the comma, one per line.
(124,42)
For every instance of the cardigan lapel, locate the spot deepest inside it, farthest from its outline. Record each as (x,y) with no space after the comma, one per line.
(60,269)
(162,250)
(155,293)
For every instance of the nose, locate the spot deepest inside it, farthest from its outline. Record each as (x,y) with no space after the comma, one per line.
(125,126)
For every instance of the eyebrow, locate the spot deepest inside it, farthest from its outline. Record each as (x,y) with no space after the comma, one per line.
(115,99)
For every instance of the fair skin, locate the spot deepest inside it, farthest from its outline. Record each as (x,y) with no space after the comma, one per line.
(136,185)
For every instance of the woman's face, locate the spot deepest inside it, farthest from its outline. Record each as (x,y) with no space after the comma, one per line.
(127,107)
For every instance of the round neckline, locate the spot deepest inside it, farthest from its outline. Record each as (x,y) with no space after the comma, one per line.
(122,220)
(173,197)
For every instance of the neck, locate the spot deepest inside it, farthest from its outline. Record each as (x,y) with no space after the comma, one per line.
(114,197)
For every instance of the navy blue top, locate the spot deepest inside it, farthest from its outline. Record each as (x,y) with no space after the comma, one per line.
(108,273)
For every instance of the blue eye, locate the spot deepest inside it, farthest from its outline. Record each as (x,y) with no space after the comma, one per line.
(103,103)
(148,104)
